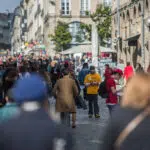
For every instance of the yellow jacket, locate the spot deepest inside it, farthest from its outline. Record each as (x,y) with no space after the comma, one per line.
(90,81)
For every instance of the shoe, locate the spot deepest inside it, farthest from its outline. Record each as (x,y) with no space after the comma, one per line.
(73,126)
(97,116)
(90,116)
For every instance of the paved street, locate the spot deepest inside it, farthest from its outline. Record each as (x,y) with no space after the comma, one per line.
(89,131)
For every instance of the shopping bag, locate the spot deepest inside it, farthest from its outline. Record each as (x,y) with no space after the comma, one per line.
(80,102)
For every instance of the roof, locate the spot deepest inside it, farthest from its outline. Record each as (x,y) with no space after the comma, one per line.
(86,49)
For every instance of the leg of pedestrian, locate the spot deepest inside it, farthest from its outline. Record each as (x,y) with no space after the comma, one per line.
(73,120)
(96,107)
(62,117)
(90,101)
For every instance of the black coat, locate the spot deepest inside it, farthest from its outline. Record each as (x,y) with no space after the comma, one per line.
(33,131)
(138,139)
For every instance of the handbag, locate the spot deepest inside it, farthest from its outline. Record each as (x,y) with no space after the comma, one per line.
(80,102)
(131,127)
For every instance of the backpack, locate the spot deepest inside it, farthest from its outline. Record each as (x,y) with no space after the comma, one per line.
(102,90)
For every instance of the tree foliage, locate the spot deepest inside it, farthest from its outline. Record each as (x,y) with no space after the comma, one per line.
(102,17)
(62,37)
(87,28)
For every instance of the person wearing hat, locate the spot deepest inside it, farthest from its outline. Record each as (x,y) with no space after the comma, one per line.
(112,99)
(33,129)
(92,82)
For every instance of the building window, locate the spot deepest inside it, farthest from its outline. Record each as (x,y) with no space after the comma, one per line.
(128,15)
(124,16)
(77,33)
(134,12)
(107,3)
(65,7)
(139,9)
(146,4)
(85,7)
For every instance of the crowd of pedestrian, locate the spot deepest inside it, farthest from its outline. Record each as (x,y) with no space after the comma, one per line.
(29,83)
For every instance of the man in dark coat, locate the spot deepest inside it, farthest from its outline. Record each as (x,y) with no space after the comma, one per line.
(33,129)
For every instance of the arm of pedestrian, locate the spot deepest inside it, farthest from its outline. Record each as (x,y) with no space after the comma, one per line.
(114,91)
(87,84)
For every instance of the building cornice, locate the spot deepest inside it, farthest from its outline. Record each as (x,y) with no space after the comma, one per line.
(126,6)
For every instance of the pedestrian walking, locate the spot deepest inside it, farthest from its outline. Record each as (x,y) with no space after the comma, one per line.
(65,92)
(128,72)
(82,74)
(33,129)
(92,82)
(112,99)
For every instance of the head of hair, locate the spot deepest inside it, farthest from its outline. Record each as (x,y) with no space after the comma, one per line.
(137,92)
(85,65)
(92,68)
(12,74)
(22,69)
(128,63)
(107,65)
(65,72)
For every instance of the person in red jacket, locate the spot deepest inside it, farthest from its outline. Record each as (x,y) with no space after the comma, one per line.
(112,99)
(128,72)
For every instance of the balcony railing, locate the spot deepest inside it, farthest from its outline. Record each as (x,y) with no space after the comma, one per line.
(65,13)
(85,13)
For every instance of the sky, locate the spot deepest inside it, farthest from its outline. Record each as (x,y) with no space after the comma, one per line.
(8,4)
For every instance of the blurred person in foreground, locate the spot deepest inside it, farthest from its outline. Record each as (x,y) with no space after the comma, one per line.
(10,110)
(129,127)
(33,129)
(92,82)
(65,92)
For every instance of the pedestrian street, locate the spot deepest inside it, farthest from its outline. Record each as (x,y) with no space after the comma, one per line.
(88,133)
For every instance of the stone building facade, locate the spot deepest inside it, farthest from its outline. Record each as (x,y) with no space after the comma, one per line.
(43,15)
(5,21)
(69,11)
(130,45)
(19,28)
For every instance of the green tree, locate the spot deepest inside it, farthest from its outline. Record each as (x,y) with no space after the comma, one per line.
(62,37)
(87,28)
(102,17)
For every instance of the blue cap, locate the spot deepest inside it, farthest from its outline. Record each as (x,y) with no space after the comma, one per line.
(30,89)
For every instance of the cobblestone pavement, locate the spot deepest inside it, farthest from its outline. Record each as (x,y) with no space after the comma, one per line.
(88,133)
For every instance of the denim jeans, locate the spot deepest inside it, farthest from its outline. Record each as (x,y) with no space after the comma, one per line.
(111,108)
(93,104)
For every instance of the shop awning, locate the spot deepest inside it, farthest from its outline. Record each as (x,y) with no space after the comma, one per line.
(133,38)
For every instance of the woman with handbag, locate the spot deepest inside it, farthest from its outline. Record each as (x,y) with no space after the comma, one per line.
(129,126)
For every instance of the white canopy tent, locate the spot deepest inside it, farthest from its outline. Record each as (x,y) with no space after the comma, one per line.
(86,49)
